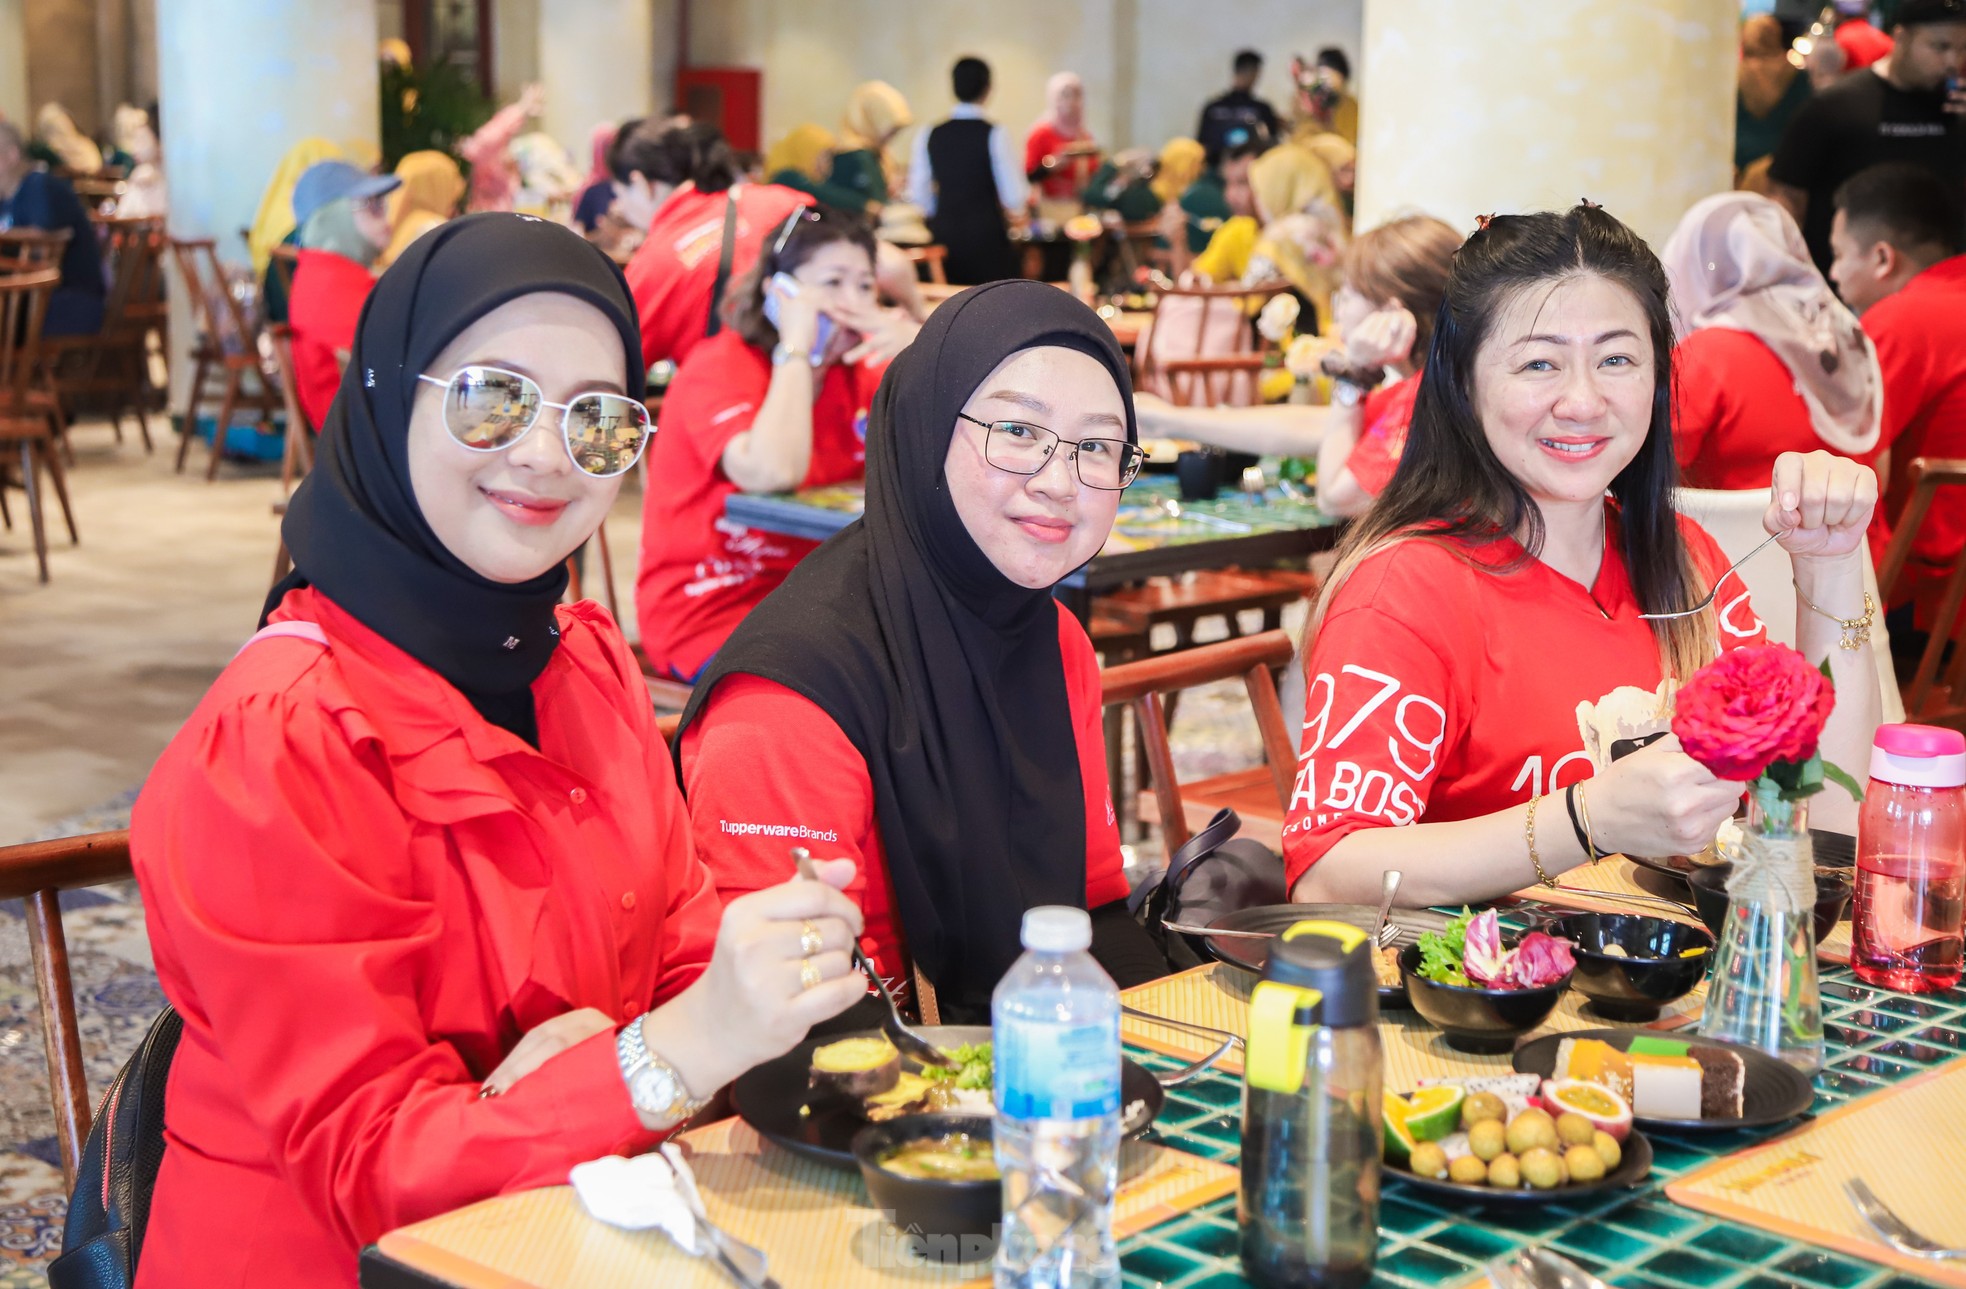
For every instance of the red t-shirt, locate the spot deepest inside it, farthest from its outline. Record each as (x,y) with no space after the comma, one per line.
(1073,173)
(701,573)
(674,271)
(1442,690)
(1735,410)
(1920,334)
(1387,415)
(1862,44)
(762,764)
(323,308)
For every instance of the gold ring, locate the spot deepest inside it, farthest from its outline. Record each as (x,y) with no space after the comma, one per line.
(810,941)
(808,974)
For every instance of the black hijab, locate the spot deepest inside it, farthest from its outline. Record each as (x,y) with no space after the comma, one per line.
(944,674)
(354,527)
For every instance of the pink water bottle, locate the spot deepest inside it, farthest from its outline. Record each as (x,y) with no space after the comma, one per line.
(1911,861)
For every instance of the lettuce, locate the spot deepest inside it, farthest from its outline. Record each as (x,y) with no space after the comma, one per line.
(1440,951)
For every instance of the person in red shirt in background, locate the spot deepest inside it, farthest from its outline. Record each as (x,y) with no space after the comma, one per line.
(344,224)
(680,180)
(1493,587)
(1898,241)
(1385,307)
(416,872)
(913,697)
(775,401)
(1060,154)
(1769,360)
(1861,42)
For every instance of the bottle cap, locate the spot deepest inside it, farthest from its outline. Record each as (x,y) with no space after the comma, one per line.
(1335,959)
(1056,928)
(1920,756)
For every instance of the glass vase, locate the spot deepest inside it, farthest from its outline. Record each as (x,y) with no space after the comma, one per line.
(1762,990)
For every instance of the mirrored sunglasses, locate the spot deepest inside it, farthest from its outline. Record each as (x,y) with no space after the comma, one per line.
(488,409)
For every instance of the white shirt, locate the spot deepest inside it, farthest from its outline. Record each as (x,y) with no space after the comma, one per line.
(1004,164)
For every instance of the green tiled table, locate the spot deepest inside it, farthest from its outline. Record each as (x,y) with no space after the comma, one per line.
(1635,1238)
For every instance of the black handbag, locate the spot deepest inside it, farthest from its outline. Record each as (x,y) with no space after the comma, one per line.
(118,1169)
(1212,874)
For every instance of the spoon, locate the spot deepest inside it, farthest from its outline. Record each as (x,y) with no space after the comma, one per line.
(1389,887)
(905,1040)
(1701,607)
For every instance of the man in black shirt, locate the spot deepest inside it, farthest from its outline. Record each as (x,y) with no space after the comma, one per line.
(30,197)
(1238,116)
(1908,106)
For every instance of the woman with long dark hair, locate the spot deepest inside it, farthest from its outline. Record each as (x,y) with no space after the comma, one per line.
(1497,582)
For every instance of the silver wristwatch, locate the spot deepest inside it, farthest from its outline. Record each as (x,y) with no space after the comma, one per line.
(782,353)
(1346,394)
(653,1084)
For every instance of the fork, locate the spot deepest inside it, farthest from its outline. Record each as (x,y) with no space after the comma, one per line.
(1702,606)
(745,1263)
(1196,1069)
(905,1040)
(1891,1228)
(1234,1040)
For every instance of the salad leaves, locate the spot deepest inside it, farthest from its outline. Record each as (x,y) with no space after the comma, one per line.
(1440,951)
(1469,952)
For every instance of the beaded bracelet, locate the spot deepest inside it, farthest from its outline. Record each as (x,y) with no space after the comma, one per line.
(1856,631)
(1529,835)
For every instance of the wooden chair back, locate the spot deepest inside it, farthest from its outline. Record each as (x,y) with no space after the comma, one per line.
(22,249)
(298,458)
(281,262)
(1211,382)
(1139,247)
(1929,698)
(934,256)
(132,248)
(38,872)
(1198,322)
(23,306)
(1142,683)
(221,318)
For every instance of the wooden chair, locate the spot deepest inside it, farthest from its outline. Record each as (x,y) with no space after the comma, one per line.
(1261,795)
(225,343)
(1197,322)
(31,248)
(114,362)
(1185,601)
(281,262)
(1215,380)
(38,872)
(26,420)
(934,257)
(1930,699)
(1138,246)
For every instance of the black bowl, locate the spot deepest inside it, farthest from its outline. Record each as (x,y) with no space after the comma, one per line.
(945,1221)
(1634,987)
(1474,1019)
(1833,886)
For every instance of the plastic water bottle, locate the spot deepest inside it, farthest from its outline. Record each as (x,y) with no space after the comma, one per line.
(1056,1025)
(1911,861)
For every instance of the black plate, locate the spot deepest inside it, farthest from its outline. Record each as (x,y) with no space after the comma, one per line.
(1252,954)
(1636,1163)
(769,1096)
(1772,1091)
(1832,850)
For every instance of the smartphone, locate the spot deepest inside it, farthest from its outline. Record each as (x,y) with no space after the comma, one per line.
(788,286)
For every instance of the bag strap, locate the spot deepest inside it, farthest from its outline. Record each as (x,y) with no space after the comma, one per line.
(1221,828)
(724,256)
(293,628)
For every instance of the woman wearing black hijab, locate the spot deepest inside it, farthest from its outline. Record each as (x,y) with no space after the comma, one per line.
(416,871)
(912,696)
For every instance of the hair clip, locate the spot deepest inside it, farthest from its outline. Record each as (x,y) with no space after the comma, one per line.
(792,222)
(1588,204)
(1482,222)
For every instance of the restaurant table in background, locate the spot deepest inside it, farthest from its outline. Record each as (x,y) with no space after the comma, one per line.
(1635,1237)
(1147,540)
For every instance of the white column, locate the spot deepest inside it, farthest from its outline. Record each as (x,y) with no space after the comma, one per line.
(1532,104)
(13,63)
(596,61)
(240,82)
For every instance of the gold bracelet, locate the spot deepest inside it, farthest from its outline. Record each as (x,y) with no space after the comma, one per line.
(1529,835)
(1856,631)
(1584,813)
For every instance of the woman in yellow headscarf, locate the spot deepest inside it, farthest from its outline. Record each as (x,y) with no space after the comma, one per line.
(1341,158)
(432,187)
(1303,221)
(275,220)
(875,113)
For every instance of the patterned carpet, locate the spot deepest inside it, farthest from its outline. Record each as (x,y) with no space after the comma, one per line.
(116,993)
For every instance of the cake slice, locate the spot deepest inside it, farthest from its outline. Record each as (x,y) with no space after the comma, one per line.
(1665,1087)
(1722,1080)
(1595,1061)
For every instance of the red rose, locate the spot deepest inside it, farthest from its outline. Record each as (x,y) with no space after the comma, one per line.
(1750,707)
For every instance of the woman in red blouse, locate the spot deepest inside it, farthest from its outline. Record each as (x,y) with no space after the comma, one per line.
(1769,360)
(1495,585)
(775,401)
(416,872)
(912,696)
(1060,154)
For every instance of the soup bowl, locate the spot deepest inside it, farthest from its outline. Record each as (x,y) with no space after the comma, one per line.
(944,1220)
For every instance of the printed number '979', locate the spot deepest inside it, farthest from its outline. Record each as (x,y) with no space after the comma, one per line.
(1418,728)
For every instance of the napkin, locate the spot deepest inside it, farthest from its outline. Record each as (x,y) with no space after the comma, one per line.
(636,1194)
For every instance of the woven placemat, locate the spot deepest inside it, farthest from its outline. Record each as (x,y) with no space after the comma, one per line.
(1217,995)
(813,1222)
(1906,1142)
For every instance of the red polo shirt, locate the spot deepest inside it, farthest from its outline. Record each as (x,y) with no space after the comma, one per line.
(674,271)
(328,294)
(1920,334)
(1735,410)
(700,573)
(1441,690)
(360,895)
(1388,414)
(761,761)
